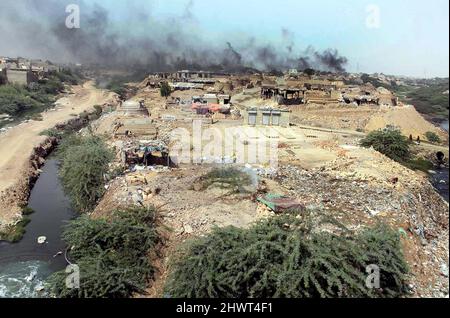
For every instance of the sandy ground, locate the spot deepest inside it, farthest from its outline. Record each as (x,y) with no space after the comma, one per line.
(407,119)
(17,143)
(321,167)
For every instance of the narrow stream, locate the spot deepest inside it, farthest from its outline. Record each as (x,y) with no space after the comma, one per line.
(25,265)
(440,178)
(444,125)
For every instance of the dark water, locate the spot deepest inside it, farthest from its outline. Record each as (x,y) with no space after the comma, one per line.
(440,182)
(24,265)
(440,178)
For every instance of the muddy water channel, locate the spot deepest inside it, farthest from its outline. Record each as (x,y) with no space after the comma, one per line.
(25,265)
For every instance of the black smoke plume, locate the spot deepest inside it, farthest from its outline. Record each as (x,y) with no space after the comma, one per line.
(36,28)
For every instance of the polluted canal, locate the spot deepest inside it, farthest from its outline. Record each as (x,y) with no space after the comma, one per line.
(25,265)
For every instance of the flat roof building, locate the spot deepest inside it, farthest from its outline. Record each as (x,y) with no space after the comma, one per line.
(267,117)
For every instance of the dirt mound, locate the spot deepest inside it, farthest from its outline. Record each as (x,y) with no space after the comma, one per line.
(406,118)
(333,116)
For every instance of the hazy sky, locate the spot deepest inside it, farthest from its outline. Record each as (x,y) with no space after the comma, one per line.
(412,37)
(402,37)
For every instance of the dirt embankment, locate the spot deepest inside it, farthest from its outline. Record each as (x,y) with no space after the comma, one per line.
(15,196)
(23,149)
(407,119)
(333,116)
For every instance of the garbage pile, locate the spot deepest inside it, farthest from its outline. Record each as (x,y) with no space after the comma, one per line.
(412,207)
(145,152)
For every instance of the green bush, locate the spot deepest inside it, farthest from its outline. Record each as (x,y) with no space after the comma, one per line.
(230,178)
(432,137)
(36,117)
(68,76)
(19,100)
(419,164)
(49,86)
(165,89)
(113,255)
(14,233)
(84,163)
(283,257)
(119,86)
(16,99)
(389,142)
(428,97)
(27,210)
(52,132)
(98,110)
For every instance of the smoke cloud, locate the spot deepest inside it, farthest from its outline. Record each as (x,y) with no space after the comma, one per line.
(34,28)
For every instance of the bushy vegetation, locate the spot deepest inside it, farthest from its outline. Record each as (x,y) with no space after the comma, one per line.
(84,163)
(394,145)
(366,78)
(20,101)
(389,142)
(15,99)
(432,137)
(119,83)
(52,132)
(309,71)
(285,257)
(420,164)
(119,88)
(230,178)
(26,210)
(165,89)
(113,254)
(14,233)
(68,76)
(427,96)
(98,110)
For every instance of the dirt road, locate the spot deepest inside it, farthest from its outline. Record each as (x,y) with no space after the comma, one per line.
(16,145)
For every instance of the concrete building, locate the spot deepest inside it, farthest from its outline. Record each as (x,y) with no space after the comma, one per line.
(211,98)
(20,76)
(133,108)
(267,117)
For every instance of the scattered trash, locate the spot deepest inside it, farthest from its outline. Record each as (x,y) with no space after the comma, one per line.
(57,254)
(444,269)
(187,228)
(39,288)
(41,239)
